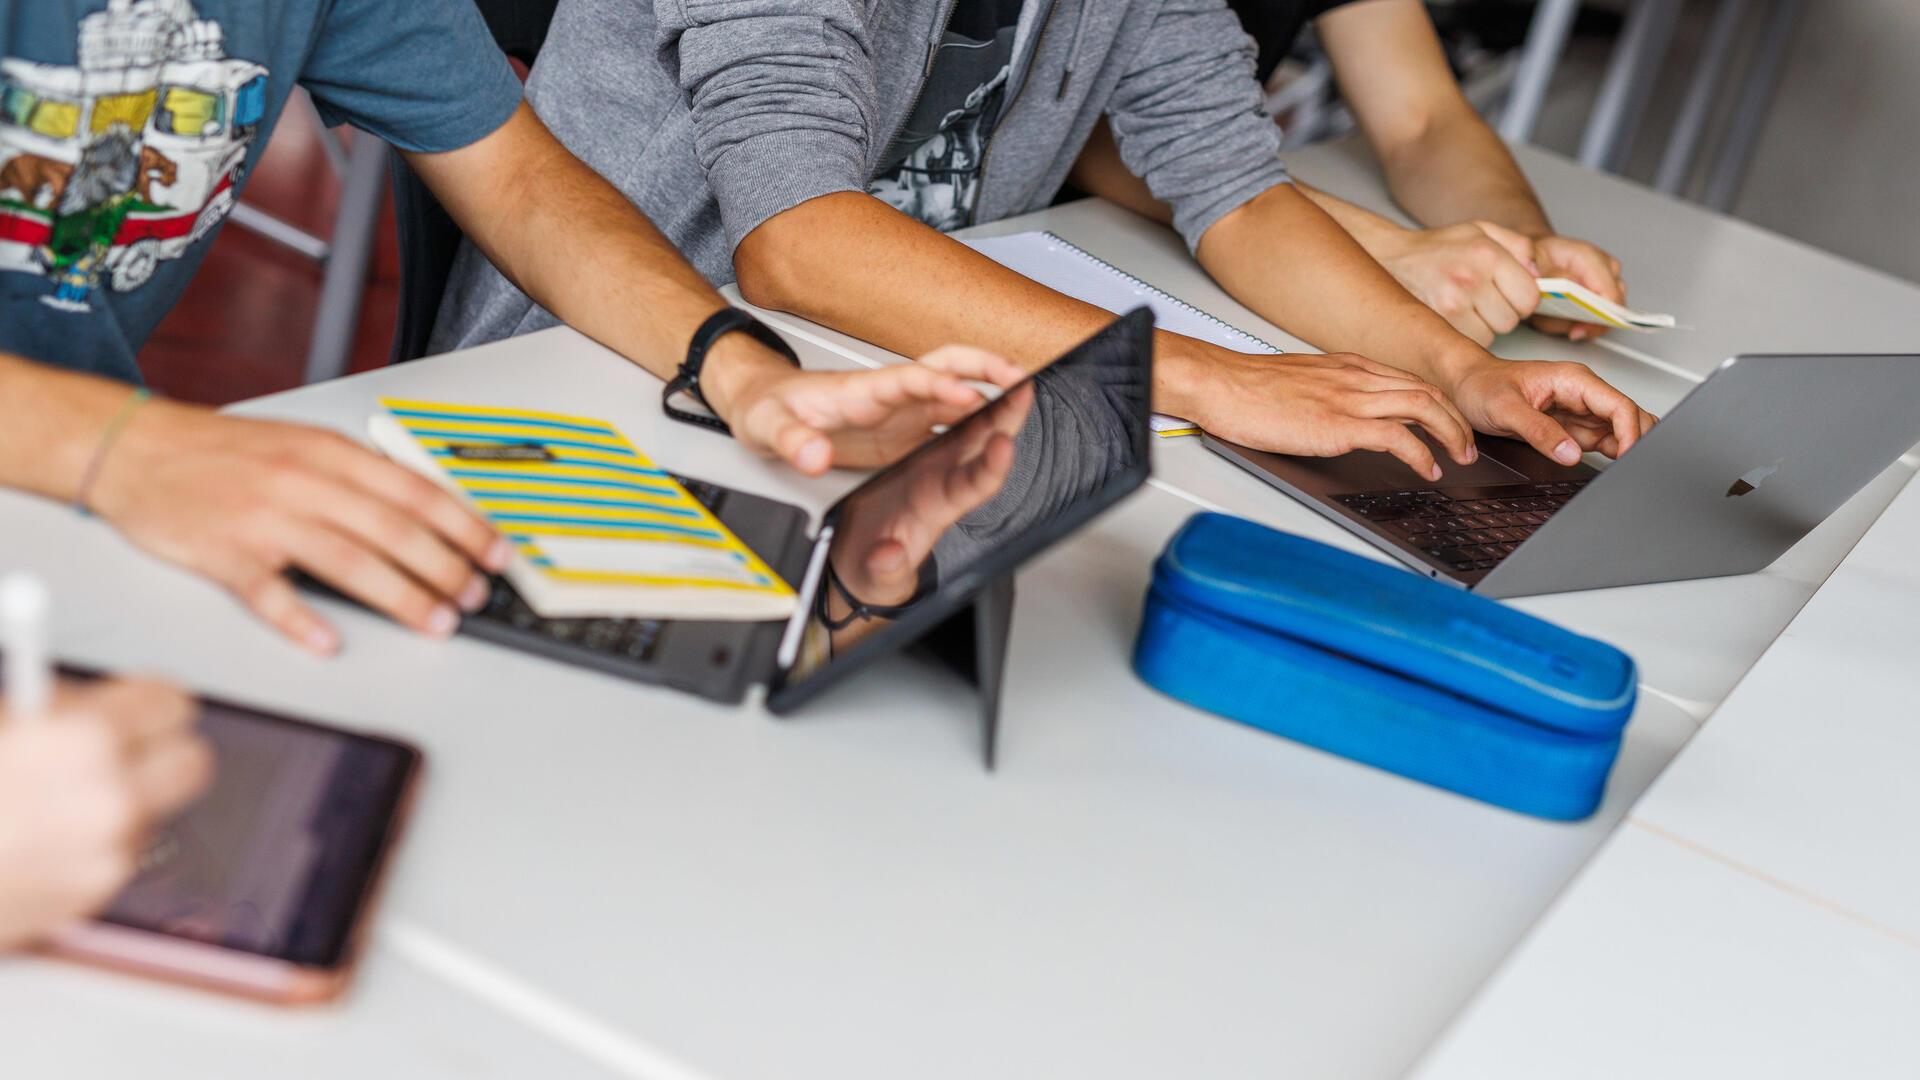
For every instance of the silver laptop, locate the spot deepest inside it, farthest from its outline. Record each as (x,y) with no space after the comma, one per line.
(1739,471)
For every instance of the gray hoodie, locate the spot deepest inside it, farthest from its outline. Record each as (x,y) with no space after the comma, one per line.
(715,115)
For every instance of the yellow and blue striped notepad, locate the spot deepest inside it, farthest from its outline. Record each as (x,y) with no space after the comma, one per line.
(1564,298)
(598,529)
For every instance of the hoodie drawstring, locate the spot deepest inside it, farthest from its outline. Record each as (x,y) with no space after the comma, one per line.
(1080,20)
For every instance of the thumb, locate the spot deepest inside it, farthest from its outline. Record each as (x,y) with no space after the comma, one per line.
(771,426)
(1517,245)
(1587,265)
(1542,432)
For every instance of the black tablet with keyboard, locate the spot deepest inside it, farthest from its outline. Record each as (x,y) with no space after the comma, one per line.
(906,549)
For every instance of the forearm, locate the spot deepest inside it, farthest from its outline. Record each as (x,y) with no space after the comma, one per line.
(1099,171)
(51,423)
(580,249)
(1458,170)
(1443,164)
(1285,258)
(853,263)
(600,266)
(1365,226)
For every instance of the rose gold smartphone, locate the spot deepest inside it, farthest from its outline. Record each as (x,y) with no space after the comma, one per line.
(265,886)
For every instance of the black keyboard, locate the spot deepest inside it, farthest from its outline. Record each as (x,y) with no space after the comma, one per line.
(631,640)
(1465,529)
(508,618)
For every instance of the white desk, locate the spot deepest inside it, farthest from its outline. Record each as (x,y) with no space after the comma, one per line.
(1141,890)
(1735,287)
(61,1020)
(1756,917)
(681,890)
(1693,639)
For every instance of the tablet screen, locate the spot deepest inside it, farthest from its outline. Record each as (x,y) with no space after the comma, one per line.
(278,857)
(913,544)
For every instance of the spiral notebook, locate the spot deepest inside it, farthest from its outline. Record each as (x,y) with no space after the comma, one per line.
(1064,268)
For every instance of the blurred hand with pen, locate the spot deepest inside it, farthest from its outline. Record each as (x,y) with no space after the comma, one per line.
(81,789)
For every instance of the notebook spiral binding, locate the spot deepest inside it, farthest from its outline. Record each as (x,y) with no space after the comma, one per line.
(1236,332)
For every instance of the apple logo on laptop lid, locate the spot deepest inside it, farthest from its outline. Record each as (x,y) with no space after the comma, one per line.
(1753,478)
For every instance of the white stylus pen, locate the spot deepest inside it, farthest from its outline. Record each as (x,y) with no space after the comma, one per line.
(23,640)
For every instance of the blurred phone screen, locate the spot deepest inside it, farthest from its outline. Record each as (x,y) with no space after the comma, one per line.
(278,856)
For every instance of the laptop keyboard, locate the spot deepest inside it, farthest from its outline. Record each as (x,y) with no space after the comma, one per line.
(624,641)
(1465,529)
(631,640)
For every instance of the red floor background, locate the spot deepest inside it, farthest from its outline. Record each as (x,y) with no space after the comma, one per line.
(242,327)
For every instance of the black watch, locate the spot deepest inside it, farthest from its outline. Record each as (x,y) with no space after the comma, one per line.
(687,379)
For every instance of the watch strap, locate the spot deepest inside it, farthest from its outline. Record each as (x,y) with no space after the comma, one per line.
(859,610)
(687,379)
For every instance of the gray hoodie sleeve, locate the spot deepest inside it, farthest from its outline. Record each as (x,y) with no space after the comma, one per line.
(1190,119)
(782,98)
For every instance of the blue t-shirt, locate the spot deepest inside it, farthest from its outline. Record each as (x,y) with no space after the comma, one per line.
(128,129)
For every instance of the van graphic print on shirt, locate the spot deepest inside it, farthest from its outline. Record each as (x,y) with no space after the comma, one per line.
(127,158)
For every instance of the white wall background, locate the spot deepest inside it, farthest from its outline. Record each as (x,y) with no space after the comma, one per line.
(1838,163)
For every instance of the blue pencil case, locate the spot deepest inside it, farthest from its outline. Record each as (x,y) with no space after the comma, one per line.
(1370,662)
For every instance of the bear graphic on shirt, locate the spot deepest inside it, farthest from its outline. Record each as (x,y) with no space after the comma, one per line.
(126,159)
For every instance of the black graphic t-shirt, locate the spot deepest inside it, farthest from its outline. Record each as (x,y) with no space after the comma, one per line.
(128,129)
(932,170)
